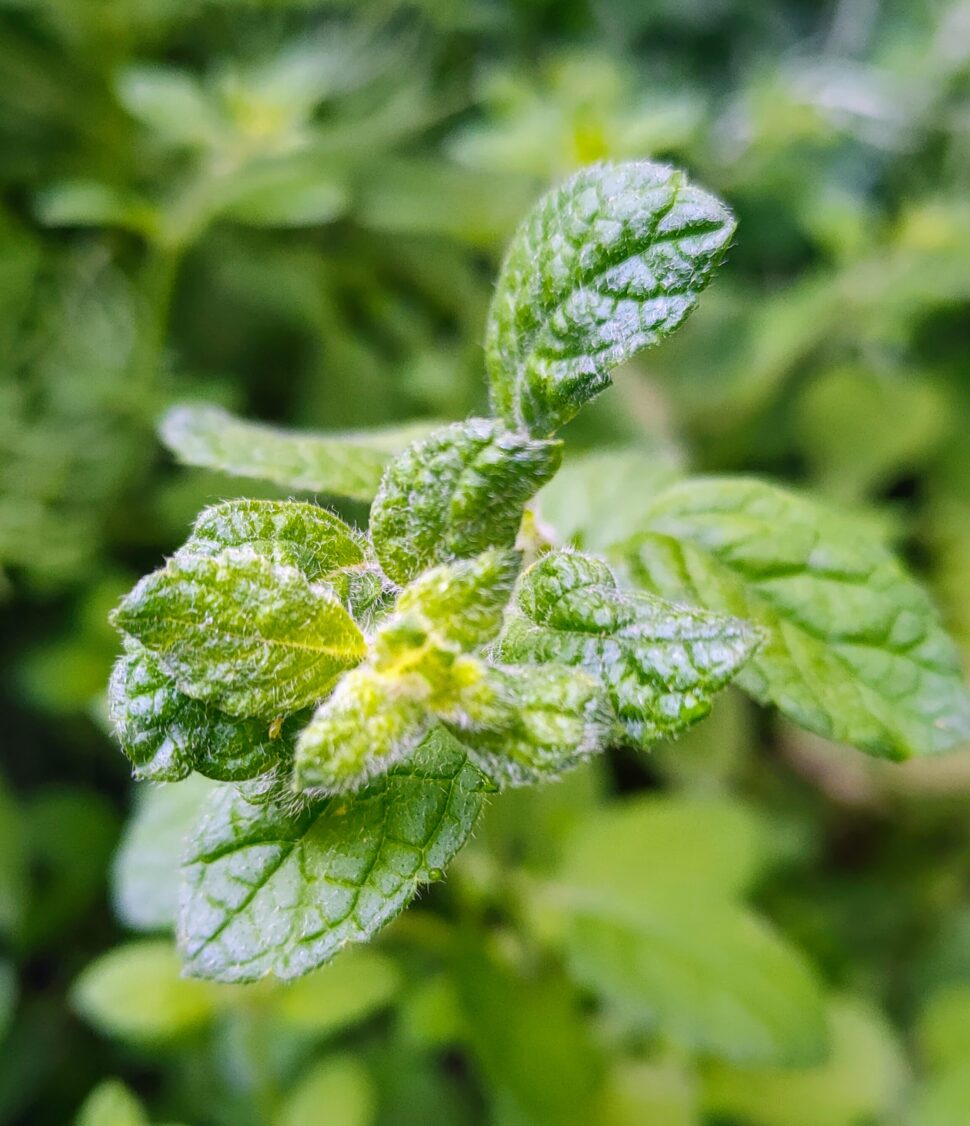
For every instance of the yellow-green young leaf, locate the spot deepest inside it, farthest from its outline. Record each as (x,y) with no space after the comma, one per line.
(456,493)
(860,1080)
(660,663)
(136,992)
(463,602)
(341,464)
(352,988)
(528,725)
(854,648)
(281,887)
(241,632)
(603,266)
(166,734)
(145,876)
(111,1104)
(313,539)
(337,1090)
(369,723)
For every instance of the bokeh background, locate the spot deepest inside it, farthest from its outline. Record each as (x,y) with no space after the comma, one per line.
(295,209)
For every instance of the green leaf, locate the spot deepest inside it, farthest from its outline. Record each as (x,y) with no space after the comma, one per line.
(135,992)
(660,663)
(529,1041)
(111,1104)
(647,889)
(603,266)
(172,104)
(292,191)
(942,1100)
(942,1027)
(455,494)
(281,888)
(536,723)
(145,875)
(167,734)
(363,730)
(598,496)
(350,989)
(463,602)
(250,636)
(709,975)
(314,540)
(346,464)
(13,864)
(637,1092)
(861,1080)
(854,648)
(339,1088)
(639,846)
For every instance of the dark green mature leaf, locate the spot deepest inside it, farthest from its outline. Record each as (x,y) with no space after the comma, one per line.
(536,723)
(341,464)
(167,734)
(605,265)
(281,887)
(251,636)
(361,731)
(854,648)
(455,494)
(660,663)
(313,539)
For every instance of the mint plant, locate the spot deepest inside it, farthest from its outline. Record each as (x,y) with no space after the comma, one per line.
(360,696)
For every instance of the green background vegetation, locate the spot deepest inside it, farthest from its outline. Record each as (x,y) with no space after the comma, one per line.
(296,210)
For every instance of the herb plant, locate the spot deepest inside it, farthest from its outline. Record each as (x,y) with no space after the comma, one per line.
(360,696)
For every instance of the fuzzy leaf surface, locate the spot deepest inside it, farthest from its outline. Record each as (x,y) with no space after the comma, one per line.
(603,266)
(313,539)
(341,464)
(660,663)
(536,723)
(854,647)
(363,729)
(244,633)
(463,602)
(455,494)
(167,734)
(280,887)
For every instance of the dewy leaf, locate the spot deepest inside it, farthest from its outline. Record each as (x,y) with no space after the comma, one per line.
(342,464)
(363,729)
(243,633)
(536,724)
(281,888)
(455,494)
(167,734)
(463,602)
(605,265)
(315,540)
(660,663)
(854,648)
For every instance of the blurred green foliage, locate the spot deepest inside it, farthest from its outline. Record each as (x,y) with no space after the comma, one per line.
(296,209)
